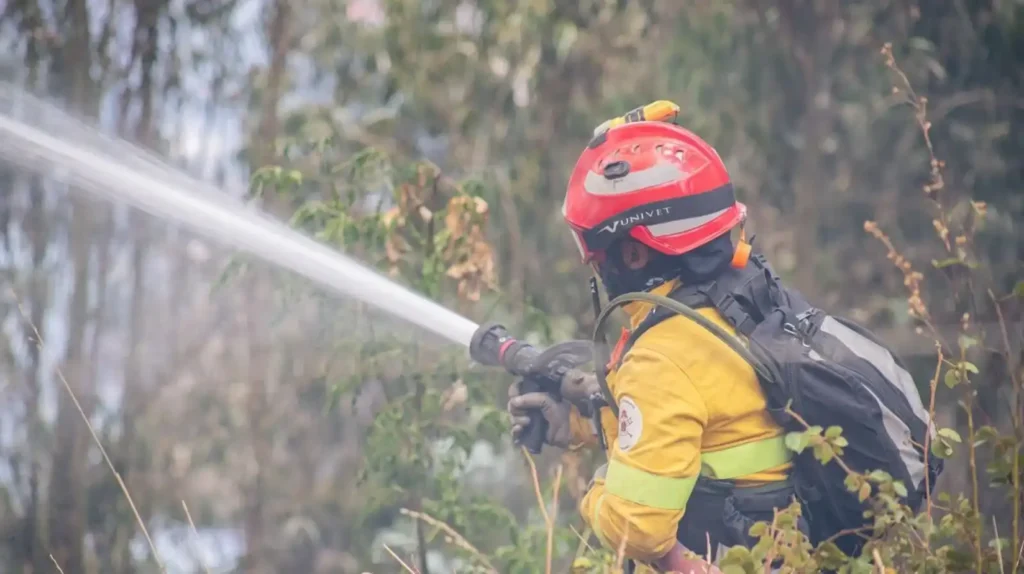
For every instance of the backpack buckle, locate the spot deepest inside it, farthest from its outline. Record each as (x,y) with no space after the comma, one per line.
(804,323)
(732,310)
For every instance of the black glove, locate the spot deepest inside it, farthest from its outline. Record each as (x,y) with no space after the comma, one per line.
(555,411)
(578,387)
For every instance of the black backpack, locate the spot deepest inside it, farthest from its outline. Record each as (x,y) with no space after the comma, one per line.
(831,372)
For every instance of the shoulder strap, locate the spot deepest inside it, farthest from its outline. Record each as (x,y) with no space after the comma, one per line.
(744,297)
(686,295)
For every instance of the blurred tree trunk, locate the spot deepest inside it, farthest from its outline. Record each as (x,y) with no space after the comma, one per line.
(145,51)
(67,523)
(105,497)
(32,539)
(39,237)
(808,31)
(72,64)
(132,403)
(279,42)
(145,48)
(260,346)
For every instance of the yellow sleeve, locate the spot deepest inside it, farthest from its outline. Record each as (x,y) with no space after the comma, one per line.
(582,431)
(654,463)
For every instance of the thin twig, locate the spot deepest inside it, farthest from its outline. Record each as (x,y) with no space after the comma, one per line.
(859,531)
(408,568)
(59,569)
(999,546)
(1015,408)
(536,486)
(195,539)
(972,459)
(879,565)
(453,537)
(95,437)
(583,545)
(934,385)
(775,543)
(551,523)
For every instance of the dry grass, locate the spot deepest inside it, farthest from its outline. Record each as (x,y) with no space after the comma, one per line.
(95,437)
(549,522)
(405,566)
(453,537)
(195,537)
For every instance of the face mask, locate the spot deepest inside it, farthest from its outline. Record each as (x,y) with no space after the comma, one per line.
(618,278)
(700,265)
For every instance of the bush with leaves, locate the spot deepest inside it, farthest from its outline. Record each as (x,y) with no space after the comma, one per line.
(951,534)
(428,231)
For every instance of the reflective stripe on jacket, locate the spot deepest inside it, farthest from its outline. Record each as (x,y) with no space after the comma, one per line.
(688,406)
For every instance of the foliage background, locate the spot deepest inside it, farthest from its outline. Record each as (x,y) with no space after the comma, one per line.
(434,139)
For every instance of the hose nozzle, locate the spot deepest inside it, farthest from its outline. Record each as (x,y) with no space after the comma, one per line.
(492,345)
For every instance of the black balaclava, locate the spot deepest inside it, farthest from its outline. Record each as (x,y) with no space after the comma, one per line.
(698,266)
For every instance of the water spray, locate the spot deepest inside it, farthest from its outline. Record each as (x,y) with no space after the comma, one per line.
(114,169)
(41,137)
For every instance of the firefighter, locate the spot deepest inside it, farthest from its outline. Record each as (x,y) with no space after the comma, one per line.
(694,457)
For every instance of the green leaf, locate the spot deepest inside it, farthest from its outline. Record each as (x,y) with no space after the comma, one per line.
(833,432)
(797,441)
(970,367)
(952,378)
(942,449)
(852,482)
(824,453)
(1018,289)
(950,434)
(941,264)
(879,475)
(998,543)
(900,489)
(986,433)
(864,492)
(736,556)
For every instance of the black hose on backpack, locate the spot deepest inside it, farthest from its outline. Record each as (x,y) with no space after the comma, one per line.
(601,343)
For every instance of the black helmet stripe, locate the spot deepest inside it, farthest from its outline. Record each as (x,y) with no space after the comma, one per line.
(676,209)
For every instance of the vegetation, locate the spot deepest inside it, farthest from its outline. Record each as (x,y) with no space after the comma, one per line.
(307,434)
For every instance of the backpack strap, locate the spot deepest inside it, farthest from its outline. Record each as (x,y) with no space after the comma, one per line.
(743,297)
(720,296)
(688,297)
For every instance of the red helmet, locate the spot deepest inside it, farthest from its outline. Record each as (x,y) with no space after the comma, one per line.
(654,181)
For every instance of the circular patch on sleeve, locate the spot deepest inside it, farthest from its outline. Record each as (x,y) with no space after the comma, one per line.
(631,424)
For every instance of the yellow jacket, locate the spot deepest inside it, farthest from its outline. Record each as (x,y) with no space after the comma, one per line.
(687,404)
